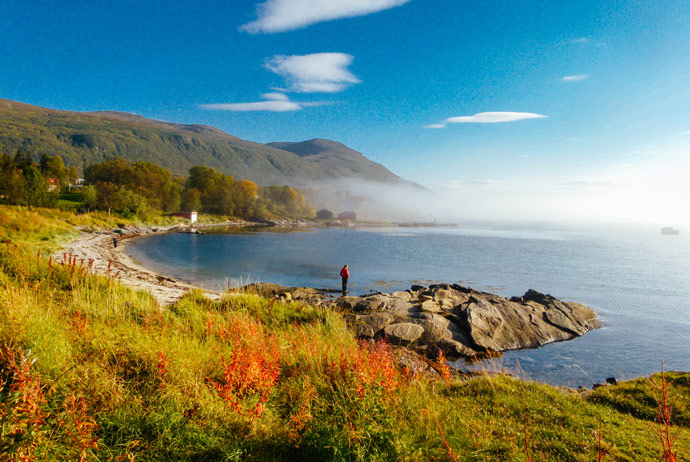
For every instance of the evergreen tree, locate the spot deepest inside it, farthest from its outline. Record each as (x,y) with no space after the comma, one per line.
(23,160)
(35,192)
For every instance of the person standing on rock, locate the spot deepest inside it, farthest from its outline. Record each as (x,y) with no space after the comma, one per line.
(345,274)
(115,241)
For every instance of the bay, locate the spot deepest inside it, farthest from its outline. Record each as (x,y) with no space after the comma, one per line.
(635,278)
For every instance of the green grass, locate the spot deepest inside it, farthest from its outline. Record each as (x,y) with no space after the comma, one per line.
(47,229)
(246,378)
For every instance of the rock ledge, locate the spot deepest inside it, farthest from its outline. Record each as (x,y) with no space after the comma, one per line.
(460,321)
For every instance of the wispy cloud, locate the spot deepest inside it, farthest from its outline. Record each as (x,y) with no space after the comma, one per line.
(275,96)
(578,40)
(275,102)
(575,78)
(314,73)
(285,15)
(494,117)
(488,118)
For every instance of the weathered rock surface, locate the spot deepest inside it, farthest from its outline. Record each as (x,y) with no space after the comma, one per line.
(403,333)
(457,320)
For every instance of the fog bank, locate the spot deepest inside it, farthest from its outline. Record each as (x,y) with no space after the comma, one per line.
(642,194)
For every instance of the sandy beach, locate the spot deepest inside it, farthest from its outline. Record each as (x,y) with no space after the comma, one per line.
(113,261)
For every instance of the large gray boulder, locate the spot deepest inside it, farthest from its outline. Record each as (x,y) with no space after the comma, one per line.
(462,321)
(377,320)
(371,303)
(403,333)
(458,320)
(436,328)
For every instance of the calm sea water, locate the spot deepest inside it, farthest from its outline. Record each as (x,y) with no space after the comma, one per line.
(635,278)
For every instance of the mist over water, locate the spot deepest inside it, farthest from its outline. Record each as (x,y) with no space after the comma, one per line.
(634,277)
(378,201)
(655,191)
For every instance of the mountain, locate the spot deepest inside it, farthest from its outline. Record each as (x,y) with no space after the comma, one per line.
(339,160)
(82,138)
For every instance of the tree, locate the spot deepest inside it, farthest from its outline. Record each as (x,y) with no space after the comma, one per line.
(128,203)
(23,160)
(35,192)
(201,178)
(12,186)
(245,197)
(53,168)
(191,200)
(90,196)
(221,198)
(72,176)
(8,169)
(116,171)
(154,183)
(173,200)
(107,198)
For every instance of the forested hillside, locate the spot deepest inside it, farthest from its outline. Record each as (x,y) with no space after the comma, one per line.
(85,138)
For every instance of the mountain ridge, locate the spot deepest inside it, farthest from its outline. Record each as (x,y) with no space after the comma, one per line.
(82,138)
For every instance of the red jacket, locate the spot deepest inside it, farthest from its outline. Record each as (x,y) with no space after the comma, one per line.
(345,273)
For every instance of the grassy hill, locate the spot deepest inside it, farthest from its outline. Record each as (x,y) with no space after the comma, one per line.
(340,160)
(84,138)
(93,370)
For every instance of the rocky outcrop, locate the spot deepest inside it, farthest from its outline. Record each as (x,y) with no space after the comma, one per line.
(457,320)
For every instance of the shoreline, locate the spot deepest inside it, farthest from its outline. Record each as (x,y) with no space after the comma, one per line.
(97,246)
(107,260)
(110,261)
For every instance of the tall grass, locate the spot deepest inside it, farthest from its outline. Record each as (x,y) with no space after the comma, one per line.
(92,370)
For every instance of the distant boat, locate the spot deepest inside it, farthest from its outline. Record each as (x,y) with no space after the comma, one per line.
(669,230)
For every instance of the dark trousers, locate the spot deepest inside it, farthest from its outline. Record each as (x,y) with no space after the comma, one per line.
(344,285)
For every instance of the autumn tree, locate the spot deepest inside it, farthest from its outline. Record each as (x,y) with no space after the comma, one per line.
(53,167)
(191,200)
(107,195)
(116,171)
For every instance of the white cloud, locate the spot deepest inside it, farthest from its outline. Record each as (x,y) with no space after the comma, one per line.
(575,78)
(275,96)
(314,73)
(275,102)
(488,118)
(284,15)
(494,117)
(270,106)
(579,40)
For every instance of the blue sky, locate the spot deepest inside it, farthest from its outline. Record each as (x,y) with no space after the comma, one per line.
(590,99)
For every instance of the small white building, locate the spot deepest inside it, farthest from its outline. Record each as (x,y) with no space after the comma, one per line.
(191,216)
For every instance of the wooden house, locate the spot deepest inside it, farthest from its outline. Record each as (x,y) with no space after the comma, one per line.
(324,214)
(348,216)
